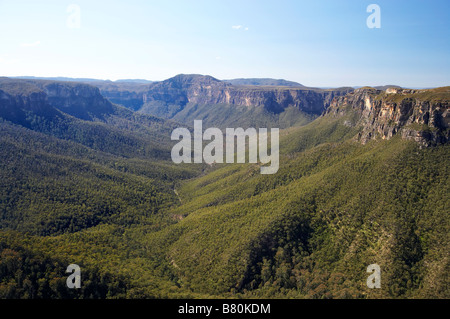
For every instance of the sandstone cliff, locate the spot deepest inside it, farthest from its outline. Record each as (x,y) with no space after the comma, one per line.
(77,99)
(198,89)
(421,115)
(44,98)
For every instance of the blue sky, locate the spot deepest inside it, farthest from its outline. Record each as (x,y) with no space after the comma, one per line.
(316,43)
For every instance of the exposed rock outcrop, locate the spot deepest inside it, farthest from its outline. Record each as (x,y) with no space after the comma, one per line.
(199,89)
(77,99)
(421,115)
(44,98)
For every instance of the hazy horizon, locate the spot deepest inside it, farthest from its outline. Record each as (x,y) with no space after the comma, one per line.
(153,81)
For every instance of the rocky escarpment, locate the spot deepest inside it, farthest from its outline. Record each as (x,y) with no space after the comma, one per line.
(45,98)
(420,115)
(129,99)
(80,100)
(18,100)
(127,93)
(183,89)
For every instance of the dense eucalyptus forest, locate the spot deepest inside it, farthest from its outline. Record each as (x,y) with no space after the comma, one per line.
(90,182)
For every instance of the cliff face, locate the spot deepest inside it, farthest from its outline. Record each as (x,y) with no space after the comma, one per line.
(14,108)
(420,115)
(128,94)
(80,100)
(198,89)
(129,99)
(45,98)
(273,99)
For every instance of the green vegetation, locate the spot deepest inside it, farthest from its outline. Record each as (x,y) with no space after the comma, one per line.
(432,95)
(103,194)
(225,115)
(312,229)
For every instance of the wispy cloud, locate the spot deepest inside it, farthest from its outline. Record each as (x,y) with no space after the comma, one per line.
(32,44)
(239,27)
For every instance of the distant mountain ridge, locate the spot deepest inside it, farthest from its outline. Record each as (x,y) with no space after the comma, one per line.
(380,87)
(79,112)
(221,103)
(62,78)
(263,82)
(238,81)
(188,96)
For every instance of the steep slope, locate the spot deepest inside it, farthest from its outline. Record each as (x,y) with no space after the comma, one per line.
(79,190)
(71,154)
(338,203)
(421,115)
(47,192)
(185,97)
(127,93)
(335,206)
(312,230)
(79,100)
(78,112)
